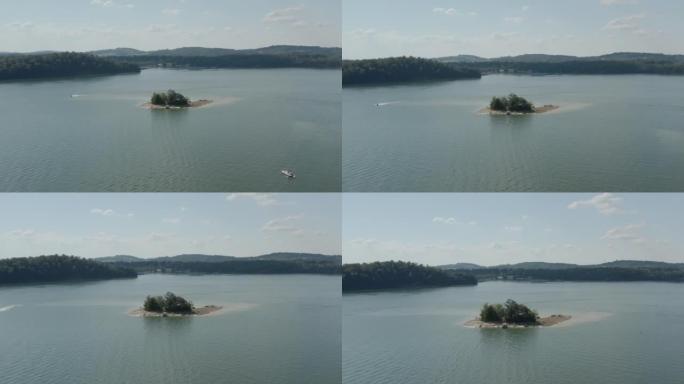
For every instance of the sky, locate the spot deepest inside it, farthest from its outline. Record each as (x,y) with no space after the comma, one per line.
(493,229)
(494,28)
(151,225)
(85,25)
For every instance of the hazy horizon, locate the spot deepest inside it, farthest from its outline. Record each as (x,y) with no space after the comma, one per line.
(437,28)
(154,225)
(493,229)
(88,25)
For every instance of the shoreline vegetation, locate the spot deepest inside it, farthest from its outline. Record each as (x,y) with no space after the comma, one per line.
(59,268)
(512,314)
(171,305)
(399,275)
(401,70)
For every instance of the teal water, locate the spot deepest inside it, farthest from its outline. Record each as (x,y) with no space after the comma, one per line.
(261,122)
(282,329)
(621,333)
(612,133)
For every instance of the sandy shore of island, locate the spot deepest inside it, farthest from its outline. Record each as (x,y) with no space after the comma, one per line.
(193,104)
(537,110)
(199,311)
(548,321)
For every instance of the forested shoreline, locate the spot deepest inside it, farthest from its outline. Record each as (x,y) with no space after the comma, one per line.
(58,268)
(401,70)
(56,65)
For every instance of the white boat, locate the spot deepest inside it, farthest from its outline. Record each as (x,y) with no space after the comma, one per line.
(289,173)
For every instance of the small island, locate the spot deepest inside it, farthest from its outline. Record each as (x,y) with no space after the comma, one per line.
(515,105)
(172,100)
(513,315)
(171,305)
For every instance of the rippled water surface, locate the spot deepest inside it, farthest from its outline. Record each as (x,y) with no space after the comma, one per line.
(612,133)
(277,329)
(620,333)
(91,134)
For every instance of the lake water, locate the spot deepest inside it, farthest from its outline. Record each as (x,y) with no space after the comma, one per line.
(621,333)
(261,121)
(278,329)
(612,133)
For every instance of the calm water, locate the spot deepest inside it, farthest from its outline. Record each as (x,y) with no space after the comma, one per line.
(613,133)
(261,122)
(81,333)
(622,333)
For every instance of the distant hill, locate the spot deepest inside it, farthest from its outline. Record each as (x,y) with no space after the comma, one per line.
(201,258)
(555,266)
(215,52)
(463,266)
(543,58)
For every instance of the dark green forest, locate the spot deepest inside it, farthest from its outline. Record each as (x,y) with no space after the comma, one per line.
(67,64)
(581,274)
(58,268)
(293,60)
(577,67)
(399,274)
(401,70)
(234,267)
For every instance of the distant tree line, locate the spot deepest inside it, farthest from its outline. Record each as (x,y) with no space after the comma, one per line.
(170,303)
(511,312)
(578,67)
(582,274)
(399,274)
(58,268)
(65,64)
(401,70)
(234,61)
(235,267)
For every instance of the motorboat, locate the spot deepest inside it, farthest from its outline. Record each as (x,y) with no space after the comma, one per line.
(289,173)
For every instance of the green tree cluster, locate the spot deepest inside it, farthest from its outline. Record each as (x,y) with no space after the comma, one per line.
(511,103)
(511,312)
(170,303)
(169,98)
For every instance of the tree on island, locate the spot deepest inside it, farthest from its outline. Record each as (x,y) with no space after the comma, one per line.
(169,303)
(511,312)
(169,98)
(511,103)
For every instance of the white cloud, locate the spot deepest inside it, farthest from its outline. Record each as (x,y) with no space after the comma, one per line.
(171,220)
(21,233)
(629,23)
(445,220)
(514,19)
(20,25)
(513,228)
(111,3)
(452,12)
(171,12)
(630,232)
(605,203)
(262,199)
(284,224)
(290,15)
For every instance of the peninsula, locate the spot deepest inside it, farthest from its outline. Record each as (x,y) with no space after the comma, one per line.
(397,70)
(513,315)
(399,275)
(171,305)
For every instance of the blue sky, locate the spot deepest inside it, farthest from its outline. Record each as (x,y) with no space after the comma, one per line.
(491,28)
(147,225)
(492,229)
(82,25)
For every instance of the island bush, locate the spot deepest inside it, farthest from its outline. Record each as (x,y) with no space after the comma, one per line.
(169,98)
(170,303)
(511,312)
(511,103)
